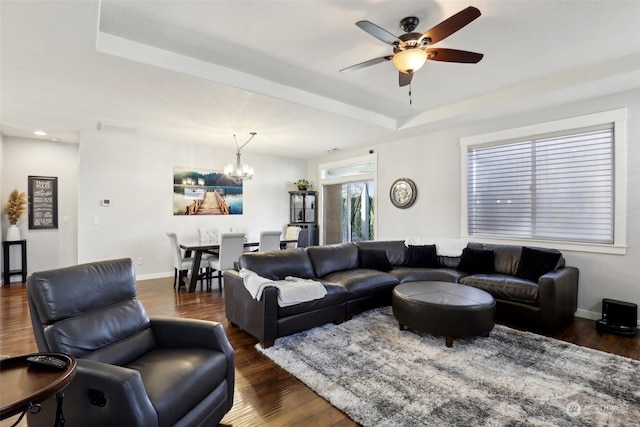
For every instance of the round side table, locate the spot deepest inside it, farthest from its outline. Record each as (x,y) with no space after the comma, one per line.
(24,386)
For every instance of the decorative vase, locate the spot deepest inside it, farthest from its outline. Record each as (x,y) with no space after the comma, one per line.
(13,233)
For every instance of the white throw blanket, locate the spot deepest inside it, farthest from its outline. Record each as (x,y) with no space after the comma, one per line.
(444,246)
(291,290)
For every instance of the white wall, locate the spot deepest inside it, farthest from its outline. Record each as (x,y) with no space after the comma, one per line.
(137,175)
(46,249)
(433,162)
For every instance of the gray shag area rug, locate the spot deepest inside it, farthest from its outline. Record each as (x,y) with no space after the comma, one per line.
(381,376)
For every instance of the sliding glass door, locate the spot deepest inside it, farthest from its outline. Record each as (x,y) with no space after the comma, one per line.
(348,199)
(348,211)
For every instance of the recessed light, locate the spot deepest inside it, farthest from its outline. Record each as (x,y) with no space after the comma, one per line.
(55,140)
(40,133)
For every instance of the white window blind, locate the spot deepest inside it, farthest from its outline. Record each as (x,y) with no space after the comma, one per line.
(554,187)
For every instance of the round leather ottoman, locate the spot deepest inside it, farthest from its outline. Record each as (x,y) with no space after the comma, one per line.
(444,308)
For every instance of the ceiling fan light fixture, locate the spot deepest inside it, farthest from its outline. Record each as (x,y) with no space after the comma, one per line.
(410,60)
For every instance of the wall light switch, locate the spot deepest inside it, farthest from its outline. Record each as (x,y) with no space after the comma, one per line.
(96,220)
(65,219)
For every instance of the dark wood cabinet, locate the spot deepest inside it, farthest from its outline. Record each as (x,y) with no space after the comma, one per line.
(303,214)
(302,207)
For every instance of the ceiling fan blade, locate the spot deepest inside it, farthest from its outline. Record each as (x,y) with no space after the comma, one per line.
(367,63)
(453,55)
(377,32)
(451,25)
(404,79)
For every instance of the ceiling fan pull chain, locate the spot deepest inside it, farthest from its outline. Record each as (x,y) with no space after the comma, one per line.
(410,100)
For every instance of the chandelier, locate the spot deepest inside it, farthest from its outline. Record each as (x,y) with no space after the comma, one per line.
(239,172)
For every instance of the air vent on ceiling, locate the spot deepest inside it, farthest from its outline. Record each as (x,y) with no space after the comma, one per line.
(112,127)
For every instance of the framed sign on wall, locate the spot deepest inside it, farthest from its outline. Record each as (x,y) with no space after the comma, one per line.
(43,202)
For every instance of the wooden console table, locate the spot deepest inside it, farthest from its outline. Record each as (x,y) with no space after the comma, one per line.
(8,272)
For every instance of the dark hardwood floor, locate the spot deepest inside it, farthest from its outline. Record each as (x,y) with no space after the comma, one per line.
(265,394)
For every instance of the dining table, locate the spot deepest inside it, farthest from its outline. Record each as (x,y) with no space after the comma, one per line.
(197,250)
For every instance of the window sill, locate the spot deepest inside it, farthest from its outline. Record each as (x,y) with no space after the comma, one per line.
(562,246)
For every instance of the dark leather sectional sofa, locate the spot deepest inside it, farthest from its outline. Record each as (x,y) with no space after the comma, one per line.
(550,301)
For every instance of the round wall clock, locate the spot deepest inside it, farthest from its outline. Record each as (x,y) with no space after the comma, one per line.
(403,193)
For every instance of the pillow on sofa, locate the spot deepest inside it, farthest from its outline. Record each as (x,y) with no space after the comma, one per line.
(423,256)
(534,263)
(374,259)
(476,261)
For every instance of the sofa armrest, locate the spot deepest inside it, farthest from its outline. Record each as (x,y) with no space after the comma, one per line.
(558,296)
(179,332)
(258,318)
(102,394)
(171,332)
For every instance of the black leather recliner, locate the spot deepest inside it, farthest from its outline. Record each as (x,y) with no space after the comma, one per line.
(132,370)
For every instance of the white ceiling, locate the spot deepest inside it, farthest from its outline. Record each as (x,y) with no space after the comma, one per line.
(200,71)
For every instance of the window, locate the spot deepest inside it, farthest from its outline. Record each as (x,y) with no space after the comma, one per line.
(557,186)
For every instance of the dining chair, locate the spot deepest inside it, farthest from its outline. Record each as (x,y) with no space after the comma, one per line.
(292,233)
(208,236)
(231,247)
(269,240)
(181,265)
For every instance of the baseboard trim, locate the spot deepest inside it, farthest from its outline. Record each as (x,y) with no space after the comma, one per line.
(154,276)
(588,314)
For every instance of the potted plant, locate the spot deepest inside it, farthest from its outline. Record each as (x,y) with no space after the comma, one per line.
(303,184)
(16,207)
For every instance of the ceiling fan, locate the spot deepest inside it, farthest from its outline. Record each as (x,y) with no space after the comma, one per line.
(411,50)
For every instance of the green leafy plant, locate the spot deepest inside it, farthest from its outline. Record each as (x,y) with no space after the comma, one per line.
(16,206)
(302,182)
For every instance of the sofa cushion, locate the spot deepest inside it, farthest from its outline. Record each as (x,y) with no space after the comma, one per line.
(504,287)
(506,257)
(172,378)
(408,274)
(132,326)
(330,258)
(423,256)
(397,252)
(476,261)
(336,295)
(448,261)
(57,295)
(276,265)
(362,282)
(453,261)
(534,263)
(374,259)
